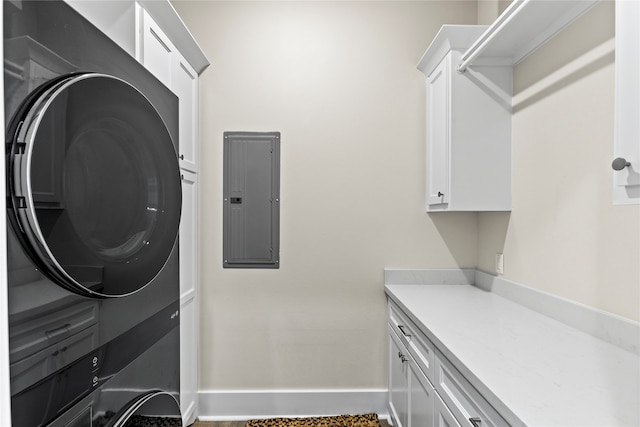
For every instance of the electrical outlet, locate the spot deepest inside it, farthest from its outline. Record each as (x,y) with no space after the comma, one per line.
(499,263)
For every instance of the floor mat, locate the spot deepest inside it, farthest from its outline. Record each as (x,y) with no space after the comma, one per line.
(367,420)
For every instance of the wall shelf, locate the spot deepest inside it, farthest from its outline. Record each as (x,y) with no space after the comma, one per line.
(523,27)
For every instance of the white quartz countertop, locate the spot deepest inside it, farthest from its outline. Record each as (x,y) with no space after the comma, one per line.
(534,370)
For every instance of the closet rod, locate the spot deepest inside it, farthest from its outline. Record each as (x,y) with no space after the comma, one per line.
(488,36)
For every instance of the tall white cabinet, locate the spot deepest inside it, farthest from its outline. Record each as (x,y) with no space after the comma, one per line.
(160,55)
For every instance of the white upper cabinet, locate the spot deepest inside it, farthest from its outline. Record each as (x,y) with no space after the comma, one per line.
(185,86)
(160,56)
(468,127)
(469,96)
(155,49)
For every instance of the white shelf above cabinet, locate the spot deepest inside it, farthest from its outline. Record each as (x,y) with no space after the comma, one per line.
(523,27)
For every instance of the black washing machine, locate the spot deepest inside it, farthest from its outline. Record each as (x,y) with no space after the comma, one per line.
(93,211)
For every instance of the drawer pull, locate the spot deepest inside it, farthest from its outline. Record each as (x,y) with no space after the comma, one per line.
(476,421)
(401,327)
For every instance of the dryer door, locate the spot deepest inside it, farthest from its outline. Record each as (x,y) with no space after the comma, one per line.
(154,408)
(95,185)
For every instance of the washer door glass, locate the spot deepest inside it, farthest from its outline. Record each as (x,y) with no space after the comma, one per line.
(95,185)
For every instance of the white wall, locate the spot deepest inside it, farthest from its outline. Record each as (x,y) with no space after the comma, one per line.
(564,235)
(338,79)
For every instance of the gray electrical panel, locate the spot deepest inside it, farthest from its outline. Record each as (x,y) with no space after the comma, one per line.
(251,192)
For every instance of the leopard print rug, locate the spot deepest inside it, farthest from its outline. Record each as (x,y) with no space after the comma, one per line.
(367,420)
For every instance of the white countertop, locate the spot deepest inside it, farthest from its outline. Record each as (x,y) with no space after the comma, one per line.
(534,370)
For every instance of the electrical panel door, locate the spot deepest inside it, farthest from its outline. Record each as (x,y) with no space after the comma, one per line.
(251,199)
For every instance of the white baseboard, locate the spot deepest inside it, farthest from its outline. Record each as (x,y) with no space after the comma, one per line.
(228,405)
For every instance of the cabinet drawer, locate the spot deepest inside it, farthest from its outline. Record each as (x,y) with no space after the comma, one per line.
(464,401)
(418,345)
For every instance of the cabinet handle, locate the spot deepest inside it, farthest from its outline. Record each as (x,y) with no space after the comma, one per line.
(181,156)
(620,163)
(402,357)
(440,194)
(401,327)
(476,421)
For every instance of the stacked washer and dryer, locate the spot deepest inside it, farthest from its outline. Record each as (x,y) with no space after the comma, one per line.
(93,211)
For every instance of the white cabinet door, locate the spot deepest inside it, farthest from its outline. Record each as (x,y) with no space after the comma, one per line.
(442,415)
(398,383)
(421,398)
(185,86)
(189,235)
(155,49)
(626,178)
(438,135)
(411,395)
(189,360)
(188,298)
(159,55)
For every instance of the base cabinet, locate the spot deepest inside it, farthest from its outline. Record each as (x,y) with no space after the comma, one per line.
(411,395)
(442,415)
(421,397)
(398,383)
(432,392)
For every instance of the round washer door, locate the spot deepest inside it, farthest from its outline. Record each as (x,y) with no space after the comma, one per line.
(95,186)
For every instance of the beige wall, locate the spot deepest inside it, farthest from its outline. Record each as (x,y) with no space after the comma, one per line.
(489,10)
(564,235)
(338,79)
